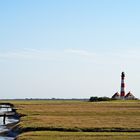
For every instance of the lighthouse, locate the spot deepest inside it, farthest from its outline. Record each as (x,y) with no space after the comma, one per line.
(128,96)
(122,92)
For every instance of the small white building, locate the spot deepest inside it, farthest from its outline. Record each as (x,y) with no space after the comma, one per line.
(129,96)
(116,96)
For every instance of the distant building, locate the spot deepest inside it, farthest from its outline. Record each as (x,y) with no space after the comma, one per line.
(116,96)
(128,96)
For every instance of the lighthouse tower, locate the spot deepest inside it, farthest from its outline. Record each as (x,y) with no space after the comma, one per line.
(128,96)
(122,92)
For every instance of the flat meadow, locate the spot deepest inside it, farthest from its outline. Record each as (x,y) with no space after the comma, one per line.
(78,120)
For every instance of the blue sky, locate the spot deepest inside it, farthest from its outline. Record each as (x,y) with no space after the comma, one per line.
(68,49)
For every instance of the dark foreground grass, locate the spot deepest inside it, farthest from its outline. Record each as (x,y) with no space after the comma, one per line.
(44,115)
(47,135)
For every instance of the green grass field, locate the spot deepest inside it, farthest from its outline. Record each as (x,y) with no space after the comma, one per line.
(43,116)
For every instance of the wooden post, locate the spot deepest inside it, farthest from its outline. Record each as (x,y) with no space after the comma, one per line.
(4,118)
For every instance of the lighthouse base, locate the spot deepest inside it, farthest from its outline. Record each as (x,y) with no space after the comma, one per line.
(128,96)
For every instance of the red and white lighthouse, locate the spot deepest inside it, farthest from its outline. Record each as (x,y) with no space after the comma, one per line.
(128,96)
(122,93)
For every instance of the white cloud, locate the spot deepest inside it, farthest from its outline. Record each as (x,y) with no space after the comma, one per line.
(79,52)
(44,54)
(30,54)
